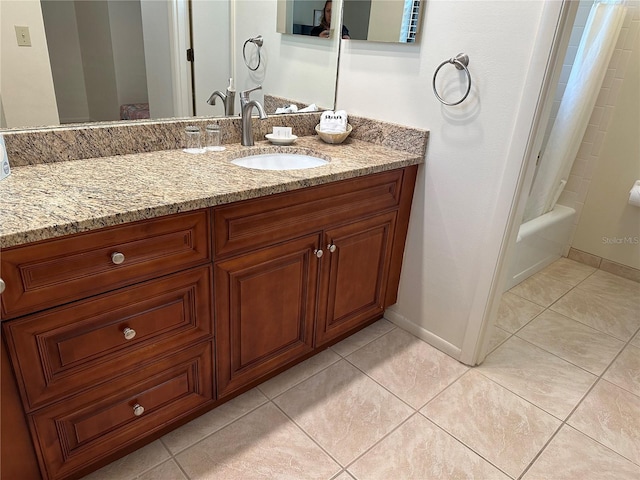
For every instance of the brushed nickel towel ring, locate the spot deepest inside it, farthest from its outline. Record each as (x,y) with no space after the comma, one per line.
(460,61)
(257,41)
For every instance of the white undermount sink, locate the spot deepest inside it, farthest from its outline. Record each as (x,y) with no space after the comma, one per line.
(279,161)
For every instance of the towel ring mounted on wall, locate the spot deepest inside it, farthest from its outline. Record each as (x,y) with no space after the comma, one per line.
(257,41)
(460,61)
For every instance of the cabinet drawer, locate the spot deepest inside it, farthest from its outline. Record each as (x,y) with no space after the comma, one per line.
(263,221)
(73,434)
(62,270)
(79,345)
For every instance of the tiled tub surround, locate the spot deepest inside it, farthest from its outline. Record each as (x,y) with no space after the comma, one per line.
(50,197)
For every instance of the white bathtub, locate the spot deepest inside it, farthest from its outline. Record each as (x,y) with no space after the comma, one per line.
(541,241)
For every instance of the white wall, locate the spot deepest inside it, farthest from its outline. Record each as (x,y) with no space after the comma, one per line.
(303,10)
(28,97)
(125,22)
(385,20)
(356,18)
(64,52)
(94,32)
(211,35)
(464,191)
(296,67)
(155,25)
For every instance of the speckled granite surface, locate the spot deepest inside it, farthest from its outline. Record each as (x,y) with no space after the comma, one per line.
(49,145)
(52,198)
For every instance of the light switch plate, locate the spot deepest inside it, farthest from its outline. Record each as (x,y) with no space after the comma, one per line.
(23,37)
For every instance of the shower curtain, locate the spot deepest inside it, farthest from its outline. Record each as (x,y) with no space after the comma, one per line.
(583,87)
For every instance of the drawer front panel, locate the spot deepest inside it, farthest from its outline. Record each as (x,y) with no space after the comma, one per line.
(69,348)
(260,222)
(73,434)
(66,269)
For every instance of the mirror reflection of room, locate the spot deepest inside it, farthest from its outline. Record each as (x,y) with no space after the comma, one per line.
(394,21)
(63,78)
(322,22)
(382,20)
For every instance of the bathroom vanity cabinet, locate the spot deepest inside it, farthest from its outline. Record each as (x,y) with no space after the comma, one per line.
(317,260)
(119,335)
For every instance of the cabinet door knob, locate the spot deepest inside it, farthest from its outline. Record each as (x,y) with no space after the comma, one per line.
(117,258)
(2,285)
(318,253)
(138,409)
(129,333)
(331,247)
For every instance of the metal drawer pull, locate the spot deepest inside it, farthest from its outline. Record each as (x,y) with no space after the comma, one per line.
(117,258)
(318,253)
(2,285)
(138,409)
(129,333)
(331,248)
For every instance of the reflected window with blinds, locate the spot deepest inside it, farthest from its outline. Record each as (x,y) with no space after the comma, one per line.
(395,21)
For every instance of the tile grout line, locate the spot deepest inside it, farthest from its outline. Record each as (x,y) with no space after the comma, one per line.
(313,440)
(381,386)
(268,400)
(564,359)
(463,444)
(417,410)
(322,369)
(385,436)
(564,422)
(248,412)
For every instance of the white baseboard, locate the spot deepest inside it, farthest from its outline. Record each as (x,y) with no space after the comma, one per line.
(423,334)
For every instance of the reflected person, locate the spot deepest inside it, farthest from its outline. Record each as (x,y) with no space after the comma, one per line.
(323,29)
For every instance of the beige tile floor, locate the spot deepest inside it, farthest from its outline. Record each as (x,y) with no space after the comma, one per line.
(558,397)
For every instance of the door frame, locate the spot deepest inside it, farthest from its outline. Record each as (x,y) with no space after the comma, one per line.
(556,22)
(179,42)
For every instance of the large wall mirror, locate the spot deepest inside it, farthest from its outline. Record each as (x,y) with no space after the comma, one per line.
(105,60)
(394,21)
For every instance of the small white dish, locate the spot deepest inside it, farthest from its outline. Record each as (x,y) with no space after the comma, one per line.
(280,140)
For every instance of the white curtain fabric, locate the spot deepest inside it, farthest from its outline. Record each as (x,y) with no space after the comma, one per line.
(583,87)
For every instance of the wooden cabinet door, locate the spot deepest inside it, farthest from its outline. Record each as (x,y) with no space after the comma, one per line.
(355,269)
(265,304)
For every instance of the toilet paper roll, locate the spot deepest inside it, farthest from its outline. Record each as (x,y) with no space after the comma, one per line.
(634,194)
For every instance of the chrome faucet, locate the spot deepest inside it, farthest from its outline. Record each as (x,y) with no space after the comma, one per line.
(246,106)
(228,100)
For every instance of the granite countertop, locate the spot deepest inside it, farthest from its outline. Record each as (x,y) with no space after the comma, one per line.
(53,199)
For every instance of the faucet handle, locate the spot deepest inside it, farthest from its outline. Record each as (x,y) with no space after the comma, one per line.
(244,95)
